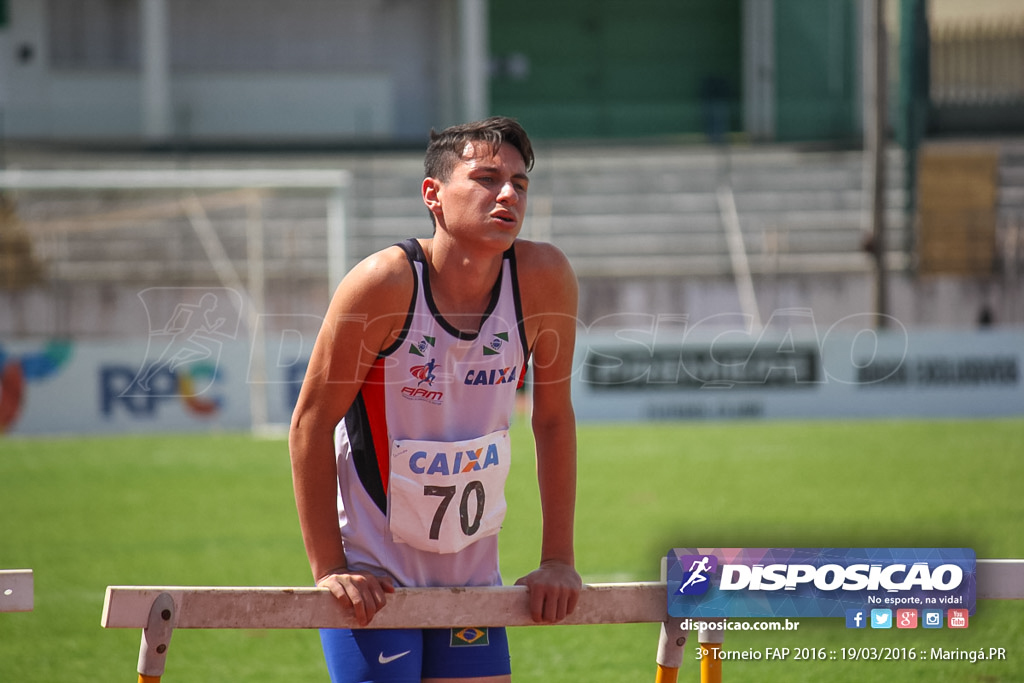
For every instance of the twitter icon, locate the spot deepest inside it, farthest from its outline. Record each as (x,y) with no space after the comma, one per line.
(881,618)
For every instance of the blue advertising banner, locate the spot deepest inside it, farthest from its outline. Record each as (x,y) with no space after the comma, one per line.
(817,582)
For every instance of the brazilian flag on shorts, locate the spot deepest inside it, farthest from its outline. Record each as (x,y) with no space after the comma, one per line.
(468,637)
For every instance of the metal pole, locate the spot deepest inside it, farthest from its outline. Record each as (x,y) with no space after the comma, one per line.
(337,235)
(474,55)
(259,409)
(875,47)
(738,257)
(156,71)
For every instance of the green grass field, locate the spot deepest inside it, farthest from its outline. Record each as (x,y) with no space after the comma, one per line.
(85,513)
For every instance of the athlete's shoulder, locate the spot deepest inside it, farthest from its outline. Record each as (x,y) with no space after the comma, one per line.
(547,282)
(386,264)
(543,265)
(542,259)
(383,270)
(383,282)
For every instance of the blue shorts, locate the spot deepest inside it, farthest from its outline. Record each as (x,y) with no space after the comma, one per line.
(409,655)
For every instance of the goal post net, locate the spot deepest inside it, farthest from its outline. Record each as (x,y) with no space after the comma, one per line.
(253,249)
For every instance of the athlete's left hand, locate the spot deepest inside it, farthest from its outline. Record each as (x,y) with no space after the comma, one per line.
(554,588)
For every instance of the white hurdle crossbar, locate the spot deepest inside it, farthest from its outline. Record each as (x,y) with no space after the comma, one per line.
(285,608)
(159,610)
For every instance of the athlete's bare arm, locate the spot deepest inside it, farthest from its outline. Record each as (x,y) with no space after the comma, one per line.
(550,296)
(364,316)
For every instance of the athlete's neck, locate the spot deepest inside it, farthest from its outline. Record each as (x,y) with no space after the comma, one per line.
(461,282)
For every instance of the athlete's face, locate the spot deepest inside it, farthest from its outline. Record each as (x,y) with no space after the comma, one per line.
(485,198)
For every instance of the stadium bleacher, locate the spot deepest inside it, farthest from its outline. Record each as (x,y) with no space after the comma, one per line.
(627,216)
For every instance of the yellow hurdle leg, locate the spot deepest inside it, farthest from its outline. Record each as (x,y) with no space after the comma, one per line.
(666,674)
(710,640)
(710,663)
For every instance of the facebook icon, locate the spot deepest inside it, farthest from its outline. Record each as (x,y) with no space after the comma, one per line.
(856,618)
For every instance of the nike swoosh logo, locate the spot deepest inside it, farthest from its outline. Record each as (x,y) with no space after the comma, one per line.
(387,660)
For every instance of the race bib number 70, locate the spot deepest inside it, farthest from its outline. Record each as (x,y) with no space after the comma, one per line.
(443,496)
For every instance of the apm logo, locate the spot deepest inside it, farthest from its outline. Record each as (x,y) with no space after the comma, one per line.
(697,579)
(425,375)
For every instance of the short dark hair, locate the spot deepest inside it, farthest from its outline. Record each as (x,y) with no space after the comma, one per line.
(447,147)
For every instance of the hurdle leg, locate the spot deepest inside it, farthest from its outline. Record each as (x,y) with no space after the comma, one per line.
(710,648)
(671,644)
(156,637)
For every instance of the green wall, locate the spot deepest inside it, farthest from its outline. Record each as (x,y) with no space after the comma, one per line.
(615,69)
(816,84)
(609,68)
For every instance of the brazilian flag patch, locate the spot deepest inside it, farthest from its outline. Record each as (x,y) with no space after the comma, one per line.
(469,637)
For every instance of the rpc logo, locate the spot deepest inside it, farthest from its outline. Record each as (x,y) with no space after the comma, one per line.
(189,384)
(697,577)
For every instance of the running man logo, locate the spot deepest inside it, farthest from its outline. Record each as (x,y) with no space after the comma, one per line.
(193,335)
(424,373)
(697,578)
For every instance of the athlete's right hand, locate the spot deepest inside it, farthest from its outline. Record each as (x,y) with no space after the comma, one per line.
(362,591)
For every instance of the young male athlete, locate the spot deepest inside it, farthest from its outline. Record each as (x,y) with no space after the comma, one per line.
(399,440)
